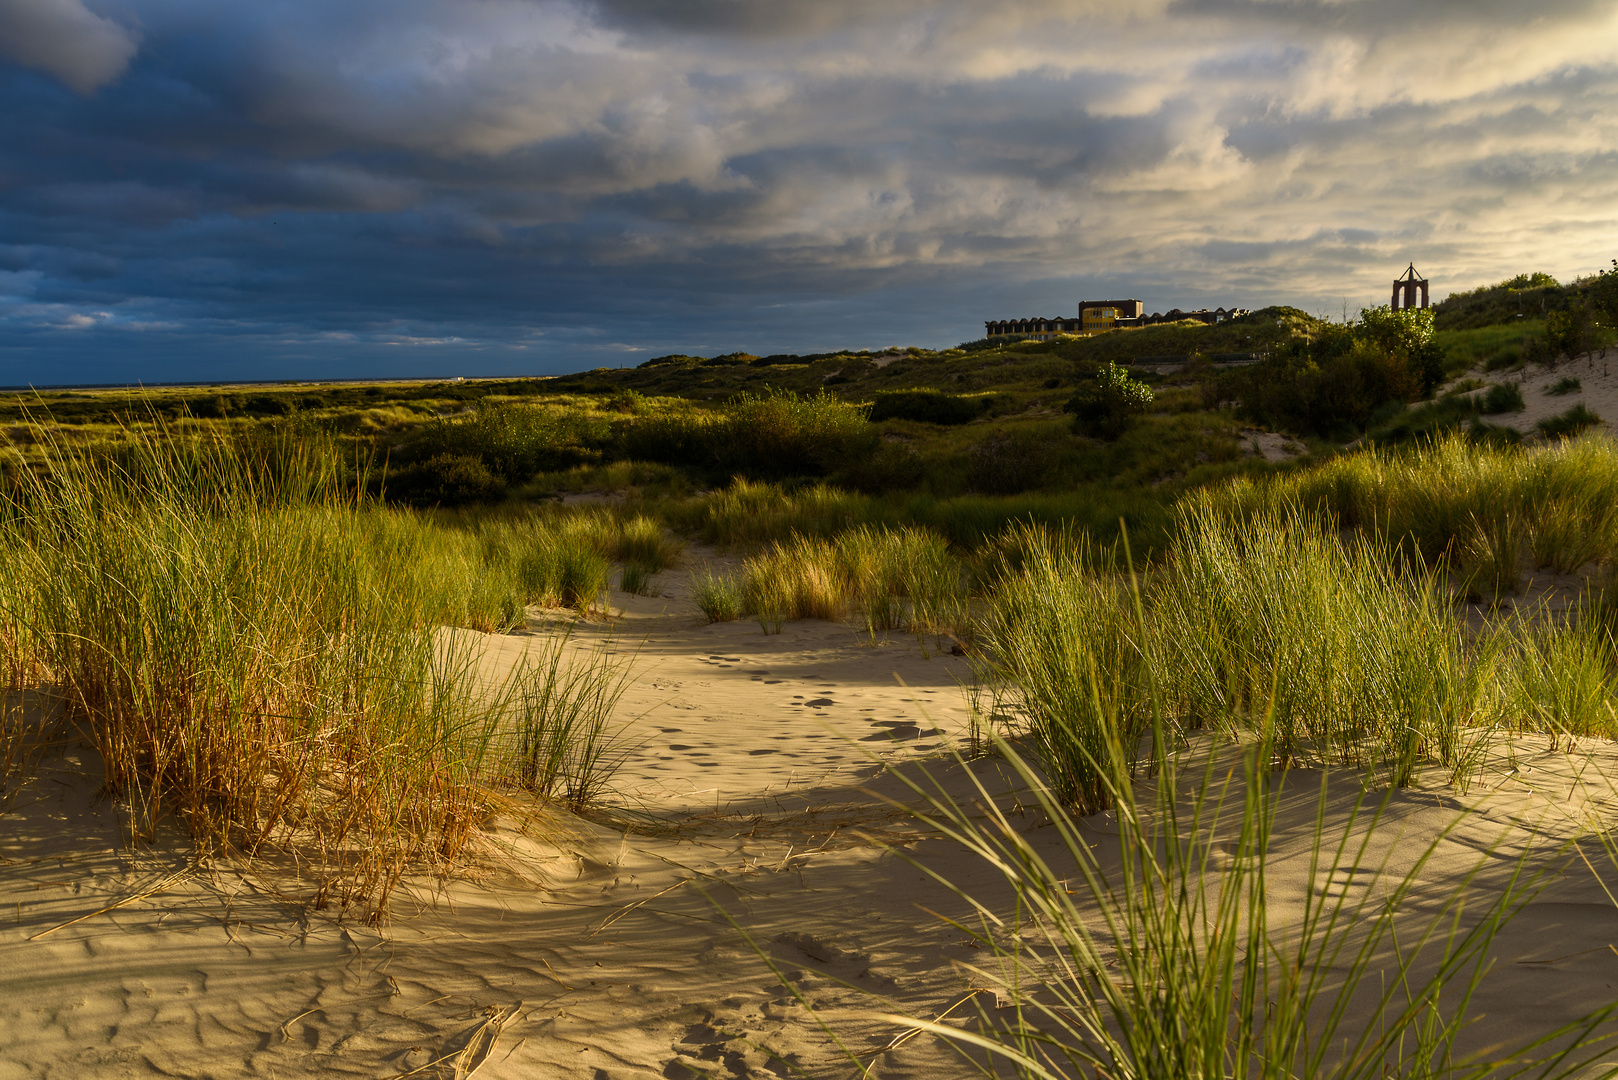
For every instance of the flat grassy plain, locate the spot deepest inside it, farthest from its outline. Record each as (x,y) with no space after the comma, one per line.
(270,613)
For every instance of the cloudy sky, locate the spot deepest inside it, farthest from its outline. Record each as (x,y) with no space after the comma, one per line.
(319,188)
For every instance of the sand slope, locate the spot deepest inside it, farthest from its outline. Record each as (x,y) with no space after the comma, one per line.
(645,951)
(1597,373)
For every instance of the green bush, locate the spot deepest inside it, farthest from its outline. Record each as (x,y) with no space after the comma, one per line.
(1106,407)
(626,401)
(1565,385)
(926,406)
(446,480)
(1006,463)
(775,434)
(1334,380)
(513,441)
(894,466)
(269,405)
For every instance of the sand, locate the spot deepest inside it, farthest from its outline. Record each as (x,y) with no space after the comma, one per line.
(646,950)
(1597,373)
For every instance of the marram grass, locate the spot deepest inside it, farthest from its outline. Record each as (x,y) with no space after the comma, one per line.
(1166,953)
(262,656)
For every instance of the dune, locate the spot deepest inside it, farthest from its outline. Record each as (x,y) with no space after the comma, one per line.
(750,905)
(1597,373)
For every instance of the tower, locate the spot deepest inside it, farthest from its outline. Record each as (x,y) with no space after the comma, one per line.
(1407,284)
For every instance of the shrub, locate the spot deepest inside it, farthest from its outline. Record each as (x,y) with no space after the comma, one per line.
(1406,335)
(1502,397)
(1106,407)
(926,406)
(446,480)
(1008,462)
(770,435)
(269,405)
(1565,385)
(894,466)
(1571,331)
(1567,424)
(513,441)
(626,401)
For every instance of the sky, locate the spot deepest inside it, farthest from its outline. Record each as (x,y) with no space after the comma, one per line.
(296,189)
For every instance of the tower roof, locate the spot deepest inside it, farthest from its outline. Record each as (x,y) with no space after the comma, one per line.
(1409,275)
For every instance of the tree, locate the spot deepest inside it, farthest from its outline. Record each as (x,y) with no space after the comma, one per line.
(1405,335)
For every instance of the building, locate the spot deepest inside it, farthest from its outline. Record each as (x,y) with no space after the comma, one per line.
(1201,315)
(1406,286)
(1032,329)
(1100,316)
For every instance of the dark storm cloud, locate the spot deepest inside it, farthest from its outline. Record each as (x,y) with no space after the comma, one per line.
(309,188)
(82,49)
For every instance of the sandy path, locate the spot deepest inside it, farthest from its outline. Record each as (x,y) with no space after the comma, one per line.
(632,953)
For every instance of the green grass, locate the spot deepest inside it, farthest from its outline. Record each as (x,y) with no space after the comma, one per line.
(1501,398)
(566,747)
(1490,347)
(1567,424)
(719,598)
(1265,628)
(1567,384)
(1466,507)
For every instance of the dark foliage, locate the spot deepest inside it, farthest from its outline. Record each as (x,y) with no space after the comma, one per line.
(511,441)
(1502,398)
(1010,462)
(926,406)
(1105,406)
(892,466)
(771,435)
(445,480)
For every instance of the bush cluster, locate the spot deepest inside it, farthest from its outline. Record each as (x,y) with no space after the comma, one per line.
(926,406)
(1105,407)
(1334,382)
(475,456)
(769,435)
